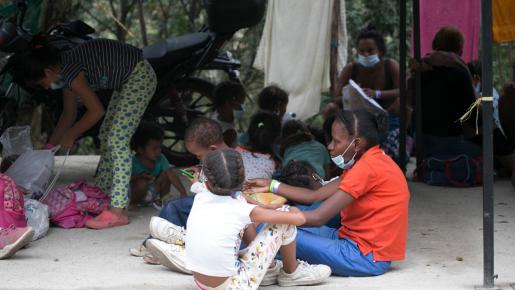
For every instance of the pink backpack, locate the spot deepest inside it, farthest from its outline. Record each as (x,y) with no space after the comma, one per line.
(71,206)
(11,204)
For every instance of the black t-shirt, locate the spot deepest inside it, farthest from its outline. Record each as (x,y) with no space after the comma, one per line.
(447,93)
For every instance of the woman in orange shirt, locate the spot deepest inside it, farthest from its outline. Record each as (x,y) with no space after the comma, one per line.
(371,196)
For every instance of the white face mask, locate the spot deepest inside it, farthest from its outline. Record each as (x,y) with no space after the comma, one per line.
(58,84)
(340,160)
(368,61)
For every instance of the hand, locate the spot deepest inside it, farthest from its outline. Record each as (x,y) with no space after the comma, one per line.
(67,141)
(369,92)
(256,185)
(193,170)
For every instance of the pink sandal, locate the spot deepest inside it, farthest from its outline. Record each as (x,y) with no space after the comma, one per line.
(107,219)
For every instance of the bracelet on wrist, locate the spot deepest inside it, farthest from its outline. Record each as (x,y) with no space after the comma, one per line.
(274,186)
(378,94)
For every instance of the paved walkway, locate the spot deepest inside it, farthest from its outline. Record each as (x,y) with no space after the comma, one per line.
(444,248)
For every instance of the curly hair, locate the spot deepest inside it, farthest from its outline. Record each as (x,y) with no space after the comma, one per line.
(204,132)
(224,171)
(370,32)
(145,132)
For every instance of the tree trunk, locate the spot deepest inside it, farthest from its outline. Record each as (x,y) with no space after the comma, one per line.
(55,11)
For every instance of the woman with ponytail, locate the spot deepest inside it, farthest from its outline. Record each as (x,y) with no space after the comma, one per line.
(79,72)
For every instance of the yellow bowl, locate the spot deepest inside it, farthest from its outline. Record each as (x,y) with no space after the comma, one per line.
(268,198)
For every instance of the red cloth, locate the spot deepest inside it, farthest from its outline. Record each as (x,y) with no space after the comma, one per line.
(377,220)
(463,14)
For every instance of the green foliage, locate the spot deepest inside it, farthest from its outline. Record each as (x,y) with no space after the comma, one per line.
(384,15)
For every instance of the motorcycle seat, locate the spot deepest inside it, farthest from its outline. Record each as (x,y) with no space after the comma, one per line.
(167,52)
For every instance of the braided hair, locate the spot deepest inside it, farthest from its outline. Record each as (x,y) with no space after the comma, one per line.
(224,171)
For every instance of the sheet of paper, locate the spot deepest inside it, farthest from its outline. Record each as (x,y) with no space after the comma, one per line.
(362,93)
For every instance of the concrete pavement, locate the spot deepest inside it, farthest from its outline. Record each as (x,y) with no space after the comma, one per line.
(444,248)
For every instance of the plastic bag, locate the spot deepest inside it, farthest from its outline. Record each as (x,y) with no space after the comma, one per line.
(16,141)
(37,216)
(32,170)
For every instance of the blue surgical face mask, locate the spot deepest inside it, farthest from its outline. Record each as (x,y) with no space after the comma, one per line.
(340,160)
(238,114)
(368,61)
(58,84)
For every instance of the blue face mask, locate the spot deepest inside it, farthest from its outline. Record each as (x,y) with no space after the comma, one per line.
(368,61)
(340,160)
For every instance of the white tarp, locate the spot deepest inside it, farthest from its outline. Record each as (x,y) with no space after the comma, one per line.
(294,51)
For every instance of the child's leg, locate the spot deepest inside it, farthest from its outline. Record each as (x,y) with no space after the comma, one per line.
(255,259)
(131,104)
(139,189)
(322,245)
(162,184)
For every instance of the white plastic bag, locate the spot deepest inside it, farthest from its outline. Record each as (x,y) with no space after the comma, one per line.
(37,215)
(32,170)
(16,141)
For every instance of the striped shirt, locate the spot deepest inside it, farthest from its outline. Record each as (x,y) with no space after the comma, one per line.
(107,64)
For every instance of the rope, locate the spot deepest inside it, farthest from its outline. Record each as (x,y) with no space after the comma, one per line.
(476,106)
(56,177)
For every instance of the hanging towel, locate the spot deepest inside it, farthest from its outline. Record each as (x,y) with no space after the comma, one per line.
(503,13)
(294,51)
(463,14)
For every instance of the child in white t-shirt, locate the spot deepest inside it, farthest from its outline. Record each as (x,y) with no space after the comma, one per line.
(221,218)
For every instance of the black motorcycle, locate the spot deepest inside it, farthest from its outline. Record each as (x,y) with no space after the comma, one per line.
(180,96)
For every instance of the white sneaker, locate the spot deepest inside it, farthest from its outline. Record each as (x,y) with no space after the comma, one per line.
(305,274)
(166,231)
(272,274)
(169,255)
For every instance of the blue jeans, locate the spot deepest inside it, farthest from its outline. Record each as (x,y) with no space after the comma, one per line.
(323,246)
(177,211)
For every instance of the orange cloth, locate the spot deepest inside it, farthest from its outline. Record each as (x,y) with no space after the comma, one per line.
(377,220)
(503,23)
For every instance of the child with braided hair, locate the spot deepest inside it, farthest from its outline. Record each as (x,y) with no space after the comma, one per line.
(221,214)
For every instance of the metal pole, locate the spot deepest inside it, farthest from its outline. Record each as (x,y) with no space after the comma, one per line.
(402,85)
(488,164)
(418,87)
